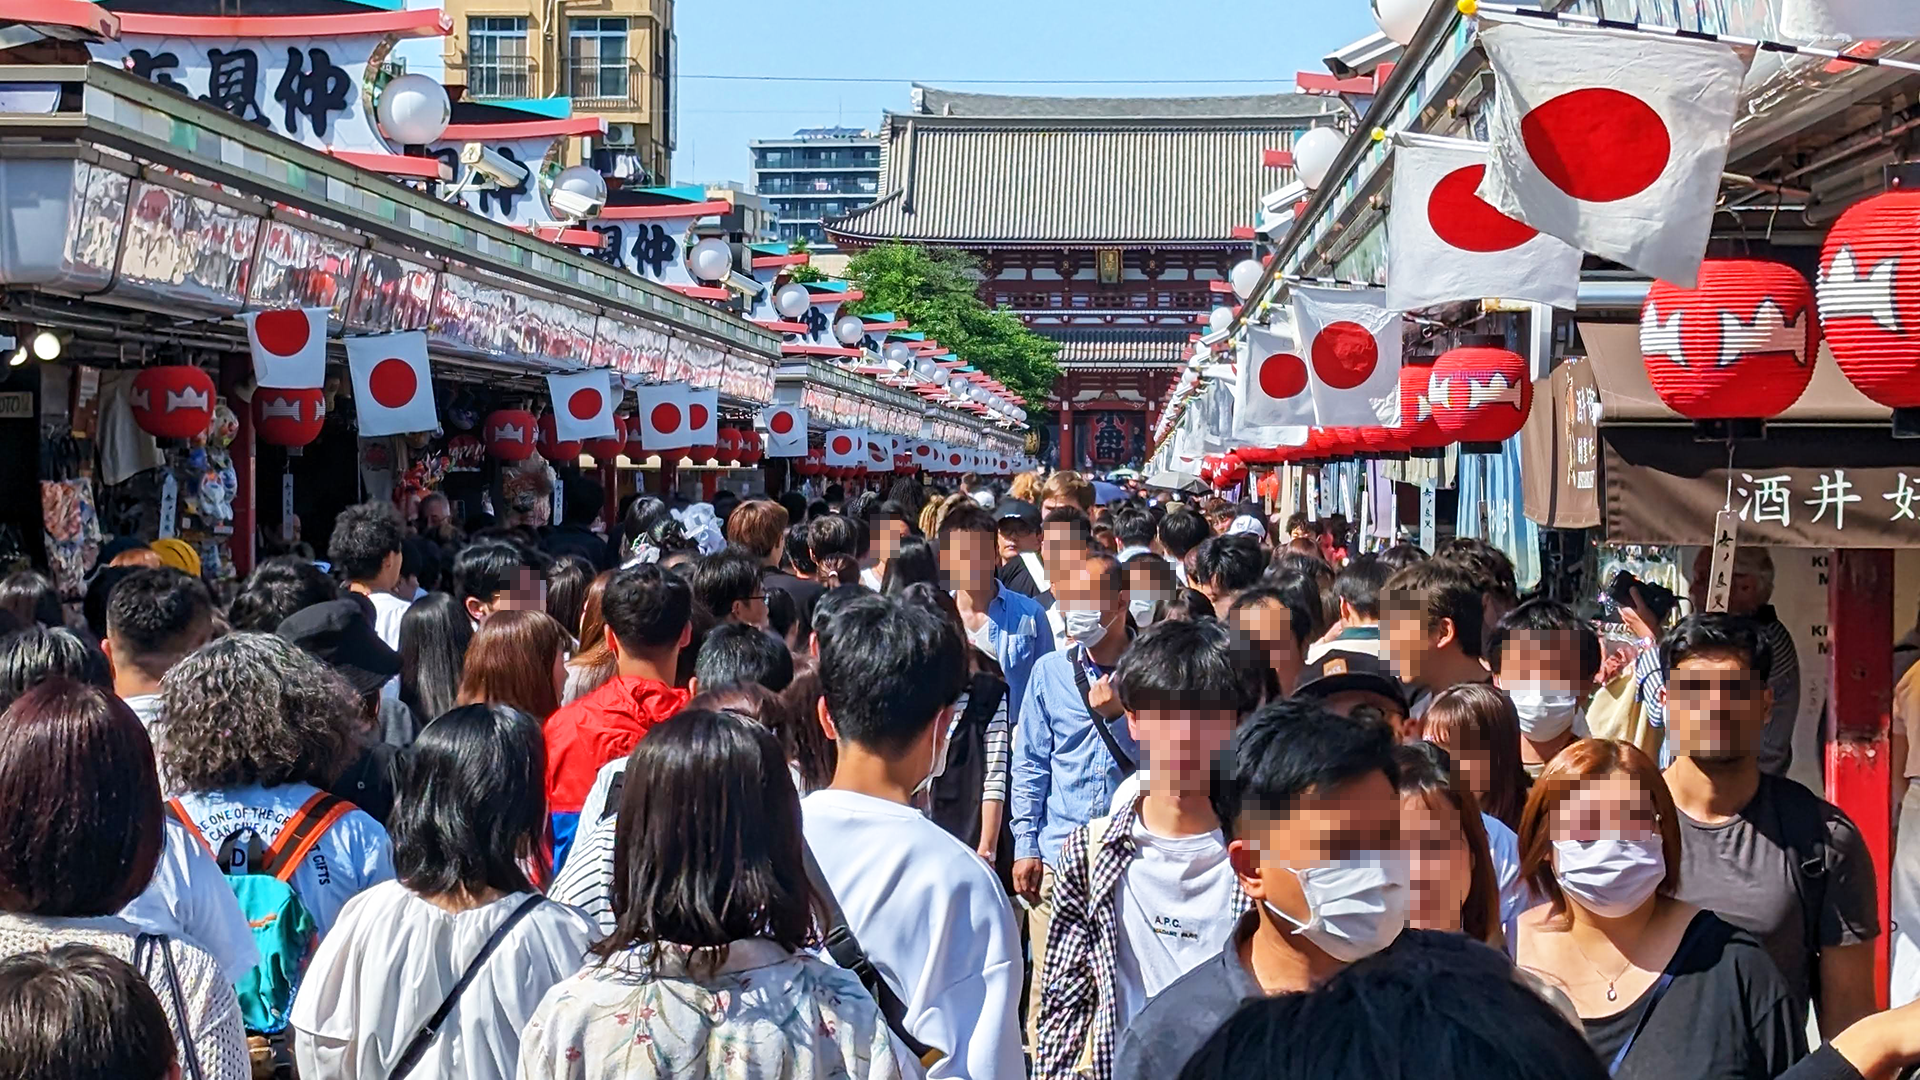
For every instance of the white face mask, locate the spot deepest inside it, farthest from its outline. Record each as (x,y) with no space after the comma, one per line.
(1356,907)
(1142,612)
(1084,628)
(941,739)
(1546,709)
(1610,877)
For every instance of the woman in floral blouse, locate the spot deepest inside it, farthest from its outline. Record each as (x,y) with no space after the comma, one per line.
(705,973)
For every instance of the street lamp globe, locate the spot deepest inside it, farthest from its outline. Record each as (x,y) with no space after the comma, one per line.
(848,330)
(414,110)
(711,260)
(1400,19)
(1245,277)
(792,301)
(1221,318)
(1313,154)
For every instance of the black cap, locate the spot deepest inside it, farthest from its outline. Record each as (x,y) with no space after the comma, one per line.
(1339,672)
(1018,510)
(339,634)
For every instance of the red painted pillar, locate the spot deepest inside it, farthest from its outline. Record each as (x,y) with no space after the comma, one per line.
(709,484)
(1859,774)
(235,369)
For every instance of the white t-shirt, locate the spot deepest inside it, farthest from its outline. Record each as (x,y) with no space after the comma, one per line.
(147,708)
(354,855)
(1175,909)
(389,963)
(935,922)
(189,898)
(388,610)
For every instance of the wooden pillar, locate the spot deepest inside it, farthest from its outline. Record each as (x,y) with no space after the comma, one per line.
(235,370)
(1858,773)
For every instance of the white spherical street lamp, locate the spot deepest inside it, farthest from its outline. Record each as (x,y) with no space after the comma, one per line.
(792,301)
(1313,154)
(413,110)
(710,260)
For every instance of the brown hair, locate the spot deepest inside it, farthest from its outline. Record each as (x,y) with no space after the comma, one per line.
(813,753)
(1025,487)
(510,662)
(594,660)
(1590,759)
(1068,486)
(1474,716)
(1426,770)
(759,525)
(140,556)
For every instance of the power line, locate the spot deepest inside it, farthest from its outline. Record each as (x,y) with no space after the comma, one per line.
(992,82)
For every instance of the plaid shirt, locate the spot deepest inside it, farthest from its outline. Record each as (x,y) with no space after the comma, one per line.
(1079,1011)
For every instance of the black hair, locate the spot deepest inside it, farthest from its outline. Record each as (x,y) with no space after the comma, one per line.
(1297,562)
(1299,519)
(735,653)
(1360,583)
(160,613)
(1434,1005)
(965,516)
(818,508)
(1079,525)
(836,493)
(77,1012)
(424,561)
(1291,748)
(29,656)
(646,607)
(888,510)
(470,805)
(1436,590)
(581,500)
(1537,619)
(29,596)
(781,610)
(889,668)
(828,604)
(907,494)
(708,843)
(1488,566)
(1182,530)
(567,583)
(1133,528)
(1717,634)
(1180,663)
(1229,563)
(1297,596)
(724,578)
(914,560)
(799,556)
(1185,603)
(486,568)
(363,537)
(1400,556)
(434,634)
(99,587)
(275,590)
(833,534)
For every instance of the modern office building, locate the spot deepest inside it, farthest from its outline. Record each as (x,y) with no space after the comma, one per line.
(818,173)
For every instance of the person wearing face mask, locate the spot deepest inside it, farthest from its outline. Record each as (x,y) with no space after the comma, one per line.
(1765,853)
(928,912)
(1307,799)
(1663,988)
(1545,659)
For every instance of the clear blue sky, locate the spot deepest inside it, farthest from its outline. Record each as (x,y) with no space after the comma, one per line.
(939,42)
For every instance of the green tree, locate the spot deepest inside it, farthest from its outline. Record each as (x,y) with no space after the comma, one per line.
(805,271)
(937,291)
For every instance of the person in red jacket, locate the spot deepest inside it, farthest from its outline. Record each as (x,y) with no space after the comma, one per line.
(648,617)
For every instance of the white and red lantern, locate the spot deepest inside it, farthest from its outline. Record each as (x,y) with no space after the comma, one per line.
(546,439)
(1417,429)
(509,434)
(726,446)
(289,417)
(1479,394)
(814,463)
(172,402)
(605,450)
(1870,297)
(1741,346)
(750,448)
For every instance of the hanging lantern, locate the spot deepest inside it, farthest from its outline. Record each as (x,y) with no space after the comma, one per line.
(289,417)
(1739,347)
(1208,465)
(635,450)
(549,445)
(703,454)
(903,463)
(1231,472)
(606,449)
(508,434)
(1480,395)
(1870,297)
(750,447)
(172,402)
(1417,429)
(815,463)
(726,445)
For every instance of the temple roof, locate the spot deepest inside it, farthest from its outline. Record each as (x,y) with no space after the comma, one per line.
(1119,348)
(931,101)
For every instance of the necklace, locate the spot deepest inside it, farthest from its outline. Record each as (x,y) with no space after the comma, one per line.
(1612,994)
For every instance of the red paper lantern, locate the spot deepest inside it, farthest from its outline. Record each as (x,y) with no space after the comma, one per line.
(509,434)
(1480,395)
(611,447)
(289,417)
(1870,297)
(726,445)
(549,445)
(903,463)
(1741,346)
(815,463)
(750,447)
(173,402)
(634,449)
(1417,429)
(702,454)
(1209,464)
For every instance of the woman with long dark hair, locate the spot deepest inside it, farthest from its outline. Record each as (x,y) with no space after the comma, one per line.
(567,583)
(467,826)
(517,658)
(707,971)
(434,634)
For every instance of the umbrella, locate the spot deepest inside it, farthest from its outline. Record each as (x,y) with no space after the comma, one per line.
(1123,474)
(1177,481)
(1104,493)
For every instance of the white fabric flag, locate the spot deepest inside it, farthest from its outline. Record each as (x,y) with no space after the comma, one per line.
(927,454)
(879,454)
(786,431)
(1274,406)
(583,406)
(1445,244)
(703,416)
(663,417)
(392,384)
(289,347)
(1849,20)
(1352,344)
(1613,142)
(846,448)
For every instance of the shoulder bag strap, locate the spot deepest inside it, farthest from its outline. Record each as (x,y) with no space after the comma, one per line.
(303,830)
(845,949)
(1660,987)
(417,1048)
(145,948)
(1120,757)
(180,815)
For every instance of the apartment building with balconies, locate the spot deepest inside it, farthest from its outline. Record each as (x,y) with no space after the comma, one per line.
(818,173)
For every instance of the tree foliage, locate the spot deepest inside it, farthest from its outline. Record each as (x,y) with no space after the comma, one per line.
(805,271)
(937,291)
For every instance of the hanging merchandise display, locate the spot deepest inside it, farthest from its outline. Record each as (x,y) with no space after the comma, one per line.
(1870,297)
(1480,395)
(509,434)
(550,446)
(289,417)
(1740,346)
(172,402)
(289,347)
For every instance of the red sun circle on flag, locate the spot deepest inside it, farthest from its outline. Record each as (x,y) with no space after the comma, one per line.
(1462,219)
(584,404)
(1598,144)
(696,416)
(781,423)
(842,445)
(665,418)
(282,333)
(1344,355)
(1282,375)
(392,382)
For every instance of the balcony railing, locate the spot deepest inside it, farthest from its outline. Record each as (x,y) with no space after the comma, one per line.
(593,85)
(499,77)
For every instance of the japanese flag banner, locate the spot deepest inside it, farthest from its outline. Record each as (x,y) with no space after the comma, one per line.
(662,414)
(927,454)
(1353,355)
(1613,142)
(786,427)
(1849,20)
(846,448)
(1445,244)
(392,384)
(289,347)
(583,406)
(703,416)
(1270,388)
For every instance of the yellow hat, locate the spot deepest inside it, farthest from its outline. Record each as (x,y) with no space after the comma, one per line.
(178,554)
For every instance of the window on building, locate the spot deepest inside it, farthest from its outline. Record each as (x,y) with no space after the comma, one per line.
(598,51)
(497,57)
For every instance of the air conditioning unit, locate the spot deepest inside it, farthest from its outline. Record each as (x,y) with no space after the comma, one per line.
(618,135)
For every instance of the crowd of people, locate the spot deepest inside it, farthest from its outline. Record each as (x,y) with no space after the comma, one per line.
(961,783)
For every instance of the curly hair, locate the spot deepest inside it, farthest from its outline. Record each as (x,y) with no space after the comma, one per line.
(254,709)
